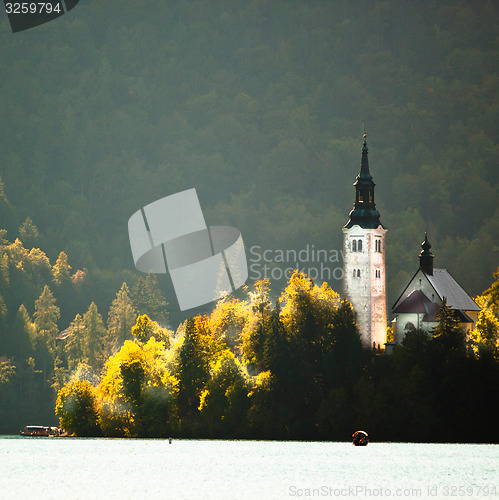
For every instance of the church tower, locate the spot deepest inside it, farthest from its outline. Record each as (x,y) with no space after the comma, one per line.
(364,260)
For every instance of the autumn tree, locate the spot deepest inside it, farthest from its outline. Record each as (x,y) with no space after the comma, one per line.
(227,322)
(485,336)
(136,392)
(145,328)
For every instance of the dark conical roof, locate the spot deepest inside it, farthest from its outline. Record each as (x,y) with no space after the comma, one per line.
(364,213)
(426,257)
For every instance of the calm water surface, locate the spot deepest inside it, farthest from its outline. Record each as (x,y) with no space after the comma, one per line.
(58,468)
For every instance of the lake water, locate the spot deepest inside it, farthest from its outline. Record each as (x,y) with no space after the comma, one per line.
(59,468)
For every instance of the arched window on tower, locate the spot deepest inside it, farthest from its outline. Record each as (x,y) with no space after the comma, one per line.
(359,246)
(354,245)
(354,273)
(358,273)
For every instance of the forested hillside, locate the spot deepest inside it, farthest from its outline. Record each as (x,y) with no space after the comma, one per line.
(260,105)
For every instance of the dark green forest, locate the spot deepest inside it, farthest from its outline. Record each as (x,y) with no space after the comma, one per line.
(261,106)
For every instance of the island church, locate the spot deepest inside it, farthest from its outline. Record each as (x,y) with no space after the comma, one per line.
(364,283)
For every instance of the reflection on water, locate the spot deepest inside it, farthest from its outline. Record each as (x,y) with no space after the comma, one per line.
(66,468)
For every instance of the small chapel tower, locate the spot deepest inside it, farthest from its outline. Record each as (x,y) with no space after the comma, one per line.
(364,260)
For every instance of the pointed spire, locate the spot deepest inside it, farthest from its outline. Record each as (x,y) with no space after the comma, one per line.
(426,257)
(364,212)
(364,164)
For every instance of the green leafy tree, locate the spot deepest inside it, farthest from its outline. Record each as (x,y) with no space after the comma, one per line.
(307,317)
(76,407)
(342,349)
(192,373)
(224,403)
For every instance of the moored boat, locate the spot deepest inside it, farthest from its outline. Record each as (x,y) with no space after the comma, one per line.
(41,431)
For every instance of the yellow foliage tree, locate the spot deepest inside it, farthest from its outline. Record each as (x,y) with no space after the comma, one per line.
(485,337)
(135,386)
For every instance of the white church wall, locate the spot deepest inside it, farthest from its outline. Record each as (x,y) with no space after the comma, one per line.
(364,281)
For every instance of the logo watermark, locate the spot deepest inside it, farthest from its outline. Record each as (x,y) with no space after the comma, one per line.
(171,235)
(317,263)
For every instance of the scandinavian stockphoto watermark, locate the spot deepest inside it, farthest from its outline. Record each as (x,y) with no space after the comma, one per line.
(171,235)
(276,264)
(25,15)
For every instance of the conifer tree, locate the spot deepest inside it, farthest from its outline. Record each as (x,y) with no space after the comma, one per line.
(61,270)
(448,336)
(45,320)
(121,318)
(28,233)
(72,346)
(148,299)
(92,340)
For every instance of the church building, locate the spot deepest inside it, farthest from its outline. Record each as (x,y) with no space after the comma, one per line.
(364,260)
(419,302)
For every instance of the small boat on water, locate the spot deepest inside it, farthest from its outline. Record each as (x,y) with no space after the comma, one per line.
(41,430)
(360,438)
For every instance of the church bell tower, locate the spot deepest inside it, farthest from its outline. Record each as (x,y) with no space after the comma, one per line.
(364,260)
